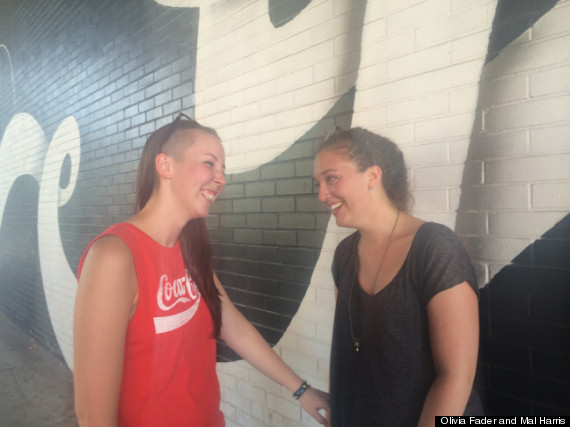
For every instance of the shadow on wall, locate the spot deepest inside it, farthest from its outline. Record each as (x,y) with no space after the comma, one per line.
(525,330)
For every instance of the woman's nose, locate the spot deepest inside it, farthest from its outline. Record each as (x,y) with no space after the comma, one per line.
(323,193)
(220,178)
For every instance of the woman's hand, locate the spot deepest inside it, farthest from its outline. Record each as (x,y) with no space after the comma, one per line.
(246,341)
(313,401)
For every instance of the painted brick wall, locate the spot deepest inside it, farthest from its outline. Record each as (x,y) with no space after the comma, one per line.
(525,321)
(475,92)
(119,76)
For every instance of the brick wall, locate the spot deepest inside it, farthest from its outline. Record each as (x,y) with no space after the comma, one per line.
(119,76)
(525,321)
(475,93)
(525,346)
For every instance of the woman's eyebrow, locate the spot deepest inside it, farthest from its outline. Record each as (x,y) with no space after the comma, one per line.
(327,171)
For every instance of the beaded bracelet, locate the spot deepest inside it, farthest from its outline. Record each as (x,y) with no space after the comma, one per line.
(304,387)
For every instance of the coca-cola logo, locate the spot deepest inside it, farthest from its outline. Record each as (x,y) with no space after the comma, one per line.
(171,293)
(181,290)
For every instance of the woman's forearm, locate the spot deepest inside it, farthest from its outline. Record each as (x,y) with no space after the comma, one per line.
(447,396)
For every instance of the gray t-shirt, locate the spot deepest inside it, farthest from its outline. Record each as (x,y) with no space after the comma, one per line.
(385,383)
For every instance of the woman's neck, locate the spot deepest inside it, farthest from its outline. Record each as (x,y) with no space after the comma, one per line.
(380,226)
(156,221)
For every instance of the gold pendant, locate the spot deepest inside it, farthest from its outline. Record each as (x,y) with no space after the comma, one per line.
(357,343)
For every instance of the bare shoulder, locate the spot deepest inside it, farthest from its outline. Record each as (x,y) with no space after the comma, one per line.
(109,262)
(109,244)
(109,250)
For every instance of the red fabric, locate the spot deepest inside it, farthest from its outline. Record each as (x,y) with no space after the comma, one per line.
(169,373)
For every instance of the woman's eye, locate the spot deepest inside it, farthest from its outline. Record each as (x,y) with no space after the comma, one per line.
(330,179)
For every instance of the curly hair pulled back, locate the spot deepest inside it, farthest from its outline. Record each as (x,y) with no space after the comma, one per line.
(367,149)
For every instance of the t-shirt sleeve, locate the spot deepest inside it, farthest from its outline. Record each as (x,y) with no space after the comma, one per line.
(445,263)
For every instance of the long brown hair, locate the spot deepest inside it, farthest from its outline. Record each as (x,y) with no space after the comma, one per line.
(194,239)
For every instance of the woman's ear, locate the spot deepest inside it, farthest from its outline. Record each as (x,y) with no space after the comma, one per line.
(163,165)
(374,176)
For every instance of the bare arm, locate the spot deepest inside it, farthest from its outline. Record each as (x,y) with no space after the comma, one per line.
(246,341)
(453,317)
(106,296)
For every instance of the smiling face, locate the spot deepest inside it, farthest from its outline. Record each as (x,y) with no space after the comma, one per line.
(197,174)
(342,187)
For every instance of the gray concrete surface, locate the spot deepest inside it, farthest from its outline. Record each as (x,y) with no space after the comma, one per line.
(36,387)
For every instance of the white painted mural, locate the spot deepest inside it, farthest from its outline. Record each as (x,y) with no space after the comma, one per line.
(25,150)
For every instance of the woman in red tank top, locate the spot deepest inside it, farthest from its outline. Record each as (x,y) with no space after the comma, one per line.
(148,295)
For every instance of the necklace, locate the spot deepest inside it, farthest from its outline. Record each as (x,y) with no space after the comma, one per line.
(357,341)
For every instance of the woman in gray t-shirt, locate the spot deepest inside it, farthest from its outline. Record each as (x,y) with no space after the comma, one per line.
(406,328)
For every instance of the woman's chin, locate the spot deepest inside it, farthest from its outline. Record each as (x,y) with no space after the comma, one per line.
(341,221)
(199,213)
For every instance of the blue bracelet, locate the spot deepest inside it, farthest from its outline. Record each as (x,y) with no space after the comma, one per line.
(304,387)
